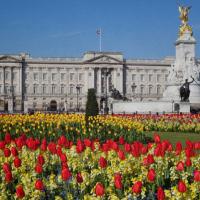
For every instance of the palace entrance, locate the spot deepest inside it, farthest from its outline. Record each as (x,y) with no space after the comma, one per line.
(53,105)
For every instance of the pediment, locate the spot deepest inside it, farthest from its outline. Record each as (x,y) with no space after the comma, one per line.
(104,59)
(9,59)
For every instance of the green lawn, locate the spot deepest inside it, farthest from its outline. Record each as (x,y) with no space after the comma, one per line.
(175,137)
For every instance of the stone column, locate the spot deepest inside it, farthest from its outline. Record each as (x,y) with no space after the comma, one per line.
(4,80)
(99,81)
(10,101)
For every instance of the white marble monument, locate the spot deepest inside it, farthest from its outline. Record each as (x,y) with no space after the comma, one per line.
(184,67)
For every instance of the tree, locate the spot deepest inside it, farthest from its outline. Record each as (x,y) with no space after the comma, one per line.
(92,108)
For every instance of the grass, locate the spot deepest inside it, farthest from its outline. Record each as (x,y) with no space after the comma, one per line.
(174,137)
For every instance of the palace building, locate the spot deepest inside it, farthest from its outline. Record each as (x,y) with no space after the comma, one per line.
(61,84)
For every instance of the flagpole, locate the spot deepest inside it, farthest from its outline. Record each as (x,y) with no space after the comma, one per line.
(100,35)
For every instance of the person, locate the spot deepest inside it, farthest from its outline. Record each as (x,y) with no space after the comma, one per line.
(185,90)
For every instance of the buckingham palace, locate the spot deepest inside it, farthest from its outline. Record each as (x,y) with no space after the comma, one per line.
(61,84)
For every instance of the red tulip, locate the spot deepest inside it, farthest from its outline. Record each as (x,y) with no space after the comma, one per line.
(160,194)
(188,162)
(137,187)
(105,147)
(2,144)
(43,145)
(87,142)
(180,166)
(7,138)
(79,178)
(40,159)
(102,162)
(156,138)
(6,167)
(17,162)
(197,175)
(14,151)
(38,169)
(121,140)
(127,147)
(52,147)
(151,175)
(79,146)
(20,192)
(118,181)
(39,185)
(62,140)
(121,155)
(181,186)
(99,189)
(63,157)
(7,152)
(8,177)
(65,174)
(178,148)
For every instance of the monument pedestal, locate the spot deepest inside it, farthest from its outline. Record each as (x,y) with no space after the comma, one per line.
(184,107)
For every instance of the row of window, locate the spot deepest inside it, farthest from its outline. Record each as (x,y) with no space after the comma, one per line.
(8,89)
(150,77)
(55,76)
(150,89)
(8,75)
(55,90)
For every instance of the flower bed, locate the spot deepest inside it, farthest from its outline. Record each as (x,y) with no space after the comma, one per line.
(73,126)
(167,122)
(34,169)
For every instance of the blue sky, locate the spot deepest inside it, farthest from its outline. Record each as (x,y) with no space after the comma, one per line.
(59,28)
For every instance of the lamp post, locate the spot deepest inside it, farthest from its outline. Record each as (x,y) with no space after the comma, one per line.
(172,106)
(78,92)
(106,73)
(11,98)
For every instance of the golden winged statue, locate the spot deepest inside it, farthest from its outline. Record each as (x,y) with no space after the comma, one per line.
(184,11)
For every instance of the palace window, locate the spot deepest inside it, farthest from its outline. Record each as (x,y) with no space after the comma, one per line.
(35,76)
(14,75)
(26,89)
(142,89)
(35,89)
(53,89)
(6,75)
(158,77)
(71,77)
(158,89)
(14,89)
(133,87)
(133,77)
(44,89)
(150,89)
(166,76)
(62,76)
(44,76)
(71,90)
(62,89)
(6,89)
(71,104)
(150,77)
(54,77)
(142,77)
(80,77)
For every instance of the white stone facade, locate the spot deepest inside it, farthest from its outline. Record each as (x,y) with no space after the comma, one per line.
(62,83)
